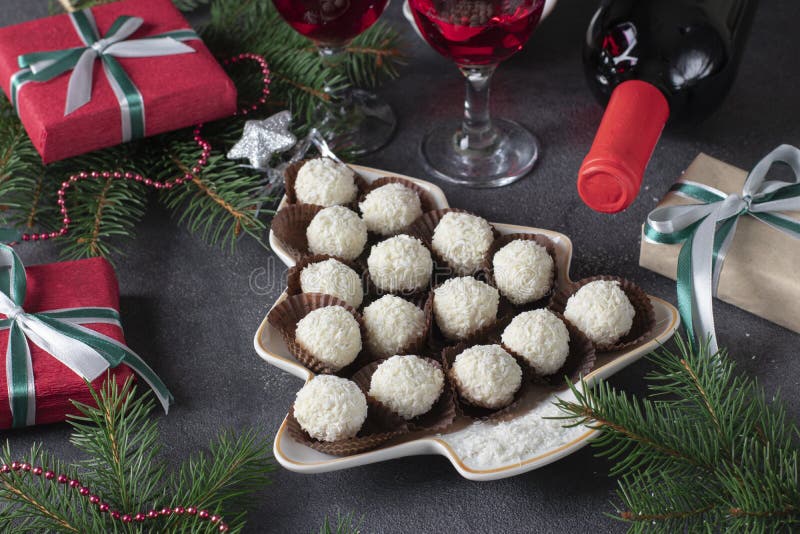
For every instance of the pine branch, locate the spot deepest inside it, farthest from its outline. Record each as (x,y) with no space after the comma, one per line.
(707,452)
(35,504)
(235,467)
(375,56)
(222,202)
(121,443)
(344,524)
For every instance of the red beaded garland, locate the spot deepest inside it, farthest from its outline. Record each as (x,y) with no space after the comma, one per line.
(202,160)
(204,515)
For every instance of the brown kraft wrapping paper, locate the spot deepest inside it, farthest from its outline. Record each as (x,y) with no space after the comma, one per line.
(760,270)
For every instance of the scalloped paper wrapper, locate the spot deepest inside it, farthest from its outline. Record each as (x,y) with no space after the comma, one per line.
(419,345)
(427,203)
(643,321)
(373,289)
(478,412)
(500,242)
(381,426)
(580,360)
(290,176)
(284,318)
(293,286)
(289,226)
(440,416)
(423,229)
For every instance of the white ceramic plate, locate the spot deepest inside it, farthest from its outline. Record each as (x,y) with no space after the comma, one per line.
(296,457)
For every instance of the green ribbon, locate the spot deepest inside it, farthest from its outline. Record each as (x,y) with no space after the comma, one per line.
(45,66)
(60,333)
(706,230)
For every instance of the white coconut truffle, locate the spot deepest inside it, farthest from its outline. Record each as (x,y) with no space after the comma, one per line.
(487,376)
(337,231)
(541,338)
(464,305)
(390,208)
(523,271)
(332,277)
(408,385)
(463,240)
(400,263)
(330,408)
(602,311)
(391,324)
(331,334)
(325,182)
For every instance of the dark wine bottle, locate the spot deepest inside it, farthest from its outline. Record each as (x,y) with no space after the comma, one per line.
(651,61)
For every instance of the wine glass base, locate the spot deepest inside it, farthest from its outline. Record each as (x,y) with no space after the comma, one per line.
(507,160)
(360,123)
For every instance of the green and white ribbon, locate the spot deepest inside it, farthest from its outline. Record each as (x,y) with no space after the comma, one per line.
(59,332)
(44,66)
(707,229)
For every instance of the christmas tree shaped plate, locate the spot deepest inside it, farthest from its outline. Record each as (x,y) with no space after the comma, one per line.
(479,450)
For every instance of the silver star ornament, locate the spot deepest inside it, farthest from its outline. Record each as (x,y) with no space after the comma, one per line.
(261,139)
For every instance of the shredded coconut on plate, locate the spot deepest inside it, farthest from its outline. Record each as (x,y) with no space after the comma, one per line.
(488,445)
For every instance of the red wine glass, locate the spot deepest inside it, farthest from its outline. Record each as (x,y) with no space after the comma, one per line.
(352,119)
(477,35)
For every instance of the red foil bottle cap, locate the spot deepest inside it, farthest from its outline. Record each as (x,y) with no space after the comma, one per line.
(611,173)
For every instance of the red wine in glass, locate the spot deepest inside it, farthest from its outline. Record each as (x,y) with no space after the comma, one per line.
(477,35)
(330,21)
(351,118)
(477,32)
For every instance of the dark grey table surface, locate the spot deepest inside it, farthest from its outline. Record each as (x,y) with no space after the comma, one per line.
(191,312)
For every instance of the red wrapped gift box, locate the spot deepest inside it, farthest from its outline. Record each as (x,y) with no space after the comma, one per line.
(178,90)
(74,284)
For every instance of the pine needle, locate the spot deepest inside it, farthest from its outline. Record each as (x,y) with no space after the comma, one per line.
(706,452)
(223,202)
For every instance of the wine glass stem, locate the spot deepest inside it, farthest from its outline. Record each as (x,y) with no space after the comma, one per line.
(333,58)
(476,130)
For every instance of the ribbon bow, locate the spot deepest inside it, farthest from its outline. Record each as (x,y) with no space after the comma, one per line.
(707,229)
(59,332)
(44,66)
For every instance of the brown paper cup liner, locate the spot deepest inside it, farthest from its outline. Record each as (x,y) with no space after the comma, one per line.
(423,229)
(643,321)
(381,426)
(468,409)
(293,275)
(488,266)
(427,202)
(439,417)
(289,226)
(290,176)
(580,360)
(419,345)
(284,318)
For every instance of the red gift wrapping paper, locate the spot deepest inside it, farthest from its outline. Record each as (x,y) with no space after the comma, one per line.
(179,90)
(74,284)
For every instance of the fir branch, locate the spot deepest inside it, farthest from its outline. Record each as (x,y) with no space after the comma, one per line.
(36,504)
(707,452)
(222,202)
(222,208)
(234,467)
(375,56)
(344,524)
(121,443)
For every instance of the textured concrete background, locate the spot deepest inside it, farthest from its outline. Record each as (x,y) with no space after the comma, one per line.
(190,310)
